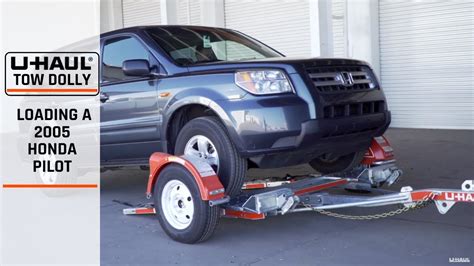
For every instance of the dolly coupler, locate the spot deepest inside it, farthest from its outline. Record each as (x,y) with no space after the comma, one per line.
(211,189)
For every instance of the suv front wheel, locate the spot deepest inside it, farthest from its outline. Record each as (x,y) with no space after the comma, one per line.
(328,163)
(206,138)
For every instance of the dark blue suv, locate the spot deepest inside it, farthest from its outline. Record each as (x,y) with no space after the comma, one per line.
(225,97)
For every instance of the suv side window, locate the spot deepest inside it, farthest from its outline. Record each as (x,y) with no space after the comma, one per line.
(115,52)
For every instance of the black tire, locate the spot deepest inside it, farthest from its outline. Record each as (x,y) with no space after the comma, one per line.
(339,164)
(232,167)
(205,218)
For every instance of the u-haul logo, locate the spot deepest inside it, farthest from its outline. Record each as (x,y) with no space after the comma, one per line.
(53,73)
(459,196)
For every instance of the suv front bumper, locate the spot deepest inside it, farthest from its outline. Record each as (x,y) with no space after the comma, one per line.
(338,136)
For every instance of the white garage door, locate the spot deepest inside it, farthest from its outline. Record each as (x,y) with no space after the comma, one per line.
(339,29)
(426,52)
(144,12)
(188,12)
(283,25)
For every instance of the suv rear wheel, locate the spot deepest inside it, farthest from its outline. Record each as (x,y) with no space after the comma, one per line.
(206,138)
(328,163)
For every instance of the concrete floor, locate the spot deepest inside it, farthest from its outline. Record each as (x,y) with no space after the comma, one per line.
(430,158)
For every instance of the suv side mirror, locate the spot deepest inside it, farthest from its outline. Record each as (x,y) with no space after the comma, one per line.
(136,67)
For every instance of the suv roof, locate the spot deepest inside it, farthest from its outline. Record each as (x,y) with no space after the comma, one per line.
(142,28)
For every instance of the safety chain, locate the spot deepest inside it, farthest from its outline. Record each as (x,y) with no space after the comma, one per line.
(418,205)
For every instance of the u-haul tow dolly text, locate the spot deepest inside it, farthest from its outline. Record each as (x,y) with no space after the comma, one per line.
(51,63)
(51,73)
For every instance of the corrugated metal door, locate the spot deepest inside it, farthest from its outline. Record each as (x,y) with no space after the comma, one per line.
(339,29)
(283,25)
(136,13)
(426,52)
(189,12)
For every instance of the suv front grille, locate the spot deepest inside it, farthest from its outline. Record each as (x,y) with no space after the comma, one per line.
(353,109)
(341,78)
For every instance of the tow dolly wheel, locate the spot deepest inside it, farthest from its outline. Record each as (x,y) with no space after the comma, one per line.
(182,214)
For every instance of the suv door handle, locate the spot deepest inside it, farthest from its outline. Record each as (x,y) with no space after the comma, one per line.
(104,97)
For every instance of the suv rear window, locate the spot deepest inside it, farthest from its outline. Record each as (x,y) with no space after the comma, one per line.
(194,45)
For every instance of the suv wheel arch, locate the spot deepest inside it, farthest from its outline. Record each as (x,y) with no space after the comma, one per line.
(179,115)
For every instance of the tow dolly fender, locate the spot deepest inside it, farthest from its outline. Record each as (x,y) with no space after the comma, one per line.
(209,185)
(380,150)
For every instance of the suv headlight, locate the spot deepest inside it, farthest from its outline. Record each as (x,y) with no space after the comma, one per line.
(263,82)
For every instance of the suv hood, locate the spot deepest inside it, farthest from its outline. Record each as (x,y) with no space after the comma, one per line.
(290,64)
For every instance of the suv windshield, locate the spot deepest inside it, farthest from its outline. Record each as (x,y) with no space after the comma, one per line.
(194,45)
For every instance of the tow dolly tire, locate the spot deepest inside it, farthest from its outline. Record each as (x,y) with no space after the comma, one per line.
(204,219)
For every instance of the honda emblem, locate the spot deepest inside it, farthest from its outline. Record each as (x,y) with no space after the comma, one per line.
(346,79)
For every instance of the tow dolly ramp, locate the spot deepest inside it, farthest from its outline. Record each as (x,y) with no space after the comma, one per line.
(265,198)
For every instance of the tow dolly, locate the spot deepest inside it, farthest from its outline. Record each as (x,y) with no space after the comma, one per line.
(189,198)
